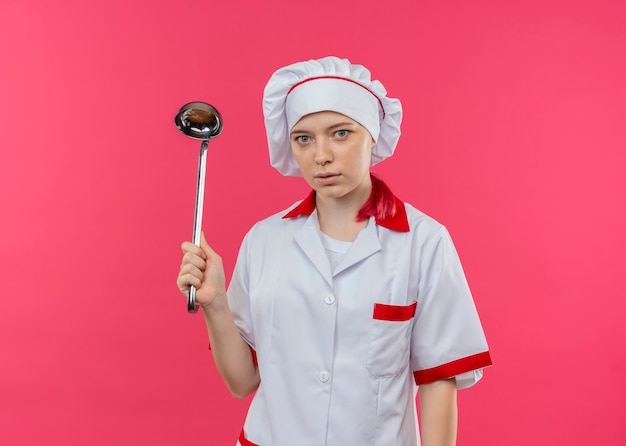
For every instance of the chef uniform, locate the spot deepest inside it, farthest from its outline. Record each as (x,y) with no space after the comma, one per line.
(344,332)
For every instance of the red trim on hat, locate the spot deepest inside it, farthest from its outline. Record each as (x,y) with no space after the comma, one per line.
(245,442)
(394,313)
(451,369)
(341,79)
(399,222)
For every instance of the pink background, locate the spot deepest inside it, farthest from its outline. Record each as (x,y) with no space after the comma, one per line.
(514,137)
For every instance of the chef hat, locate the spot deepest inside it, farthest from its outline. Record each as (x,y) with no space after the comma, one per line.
(328,84)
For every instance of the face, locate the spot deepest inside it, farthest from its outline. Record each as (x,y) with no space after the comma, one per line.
(334,154)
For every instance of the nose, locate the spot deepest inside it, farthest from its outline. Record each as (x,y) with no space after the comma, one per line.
(323,152)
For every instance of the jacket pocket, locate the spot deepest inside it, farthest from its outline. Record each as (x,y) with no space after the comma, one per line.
(390,339)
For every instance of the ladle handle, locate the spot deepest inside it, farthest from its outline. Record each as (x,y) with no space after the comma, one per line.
(192,306)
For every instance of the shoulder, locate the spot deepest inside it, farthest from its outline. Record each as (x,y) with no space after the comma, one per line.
(421,223)
(275,224)
(430,238)
(278,219)
(426,235)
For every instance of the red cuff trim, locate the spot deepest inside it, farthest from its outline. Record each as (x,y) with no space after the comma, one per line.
(254,358)
(395,313)
(244,442)
(451,369)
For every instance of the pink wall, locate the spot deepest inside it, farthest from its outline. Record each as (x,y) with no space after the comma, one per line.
(514,137)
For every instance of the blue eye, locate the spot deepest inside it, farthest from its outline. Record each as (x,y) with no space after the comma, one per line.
(303,139)
(341,133)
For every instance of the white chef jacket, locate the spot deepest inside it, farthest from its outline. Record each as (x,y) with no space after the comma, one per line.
(340,352)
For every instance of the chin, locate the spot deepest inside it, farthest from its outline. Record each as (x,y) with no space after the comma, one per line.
(332,192)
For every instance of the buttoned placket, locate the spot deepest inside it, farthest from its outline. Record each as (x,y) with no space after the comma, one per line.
(309,240)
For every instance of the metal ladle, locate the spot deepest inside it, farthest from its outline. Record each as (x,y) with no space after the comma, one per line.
(198,120)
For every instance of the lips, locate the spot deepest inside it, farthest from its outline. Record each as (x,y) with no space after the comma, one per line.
(326,177)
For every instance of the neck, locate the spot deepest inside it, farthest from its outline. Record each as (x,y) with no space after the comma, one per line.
(338,216)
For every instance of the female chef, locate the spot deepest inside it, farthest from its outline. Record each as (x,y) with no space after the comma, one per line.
(341,305)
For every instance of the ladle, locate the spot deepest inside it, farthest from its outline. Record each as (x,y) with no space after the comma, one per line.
(202,121)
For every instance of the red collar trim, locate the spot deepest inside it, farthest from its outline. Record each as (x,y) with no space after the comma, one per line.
(398,222)
(306,207)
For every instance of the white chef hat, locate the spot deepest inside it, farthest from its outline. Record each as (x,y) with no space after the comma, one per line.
(328,84)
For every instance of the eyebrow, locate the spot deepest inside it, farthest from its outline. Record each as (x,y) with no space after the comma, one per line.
(332,127)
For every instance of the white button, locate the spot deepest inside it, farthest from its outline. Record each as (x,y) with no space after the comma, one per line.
(324,376)
(329,299)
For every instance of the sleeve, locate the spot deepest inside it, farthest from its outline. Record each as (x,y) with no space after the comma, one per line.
(447,337)
(239,293)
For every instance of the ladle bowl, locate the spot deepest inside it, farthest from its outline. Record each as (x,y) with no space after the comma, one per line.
(199,120)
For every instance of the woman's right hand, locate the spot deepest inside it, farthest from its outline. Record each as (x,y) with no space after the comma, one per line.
(202,268)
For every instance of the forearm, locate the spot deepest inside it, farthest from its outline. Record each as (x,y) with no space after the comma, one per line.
(231,353)
(439,413)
